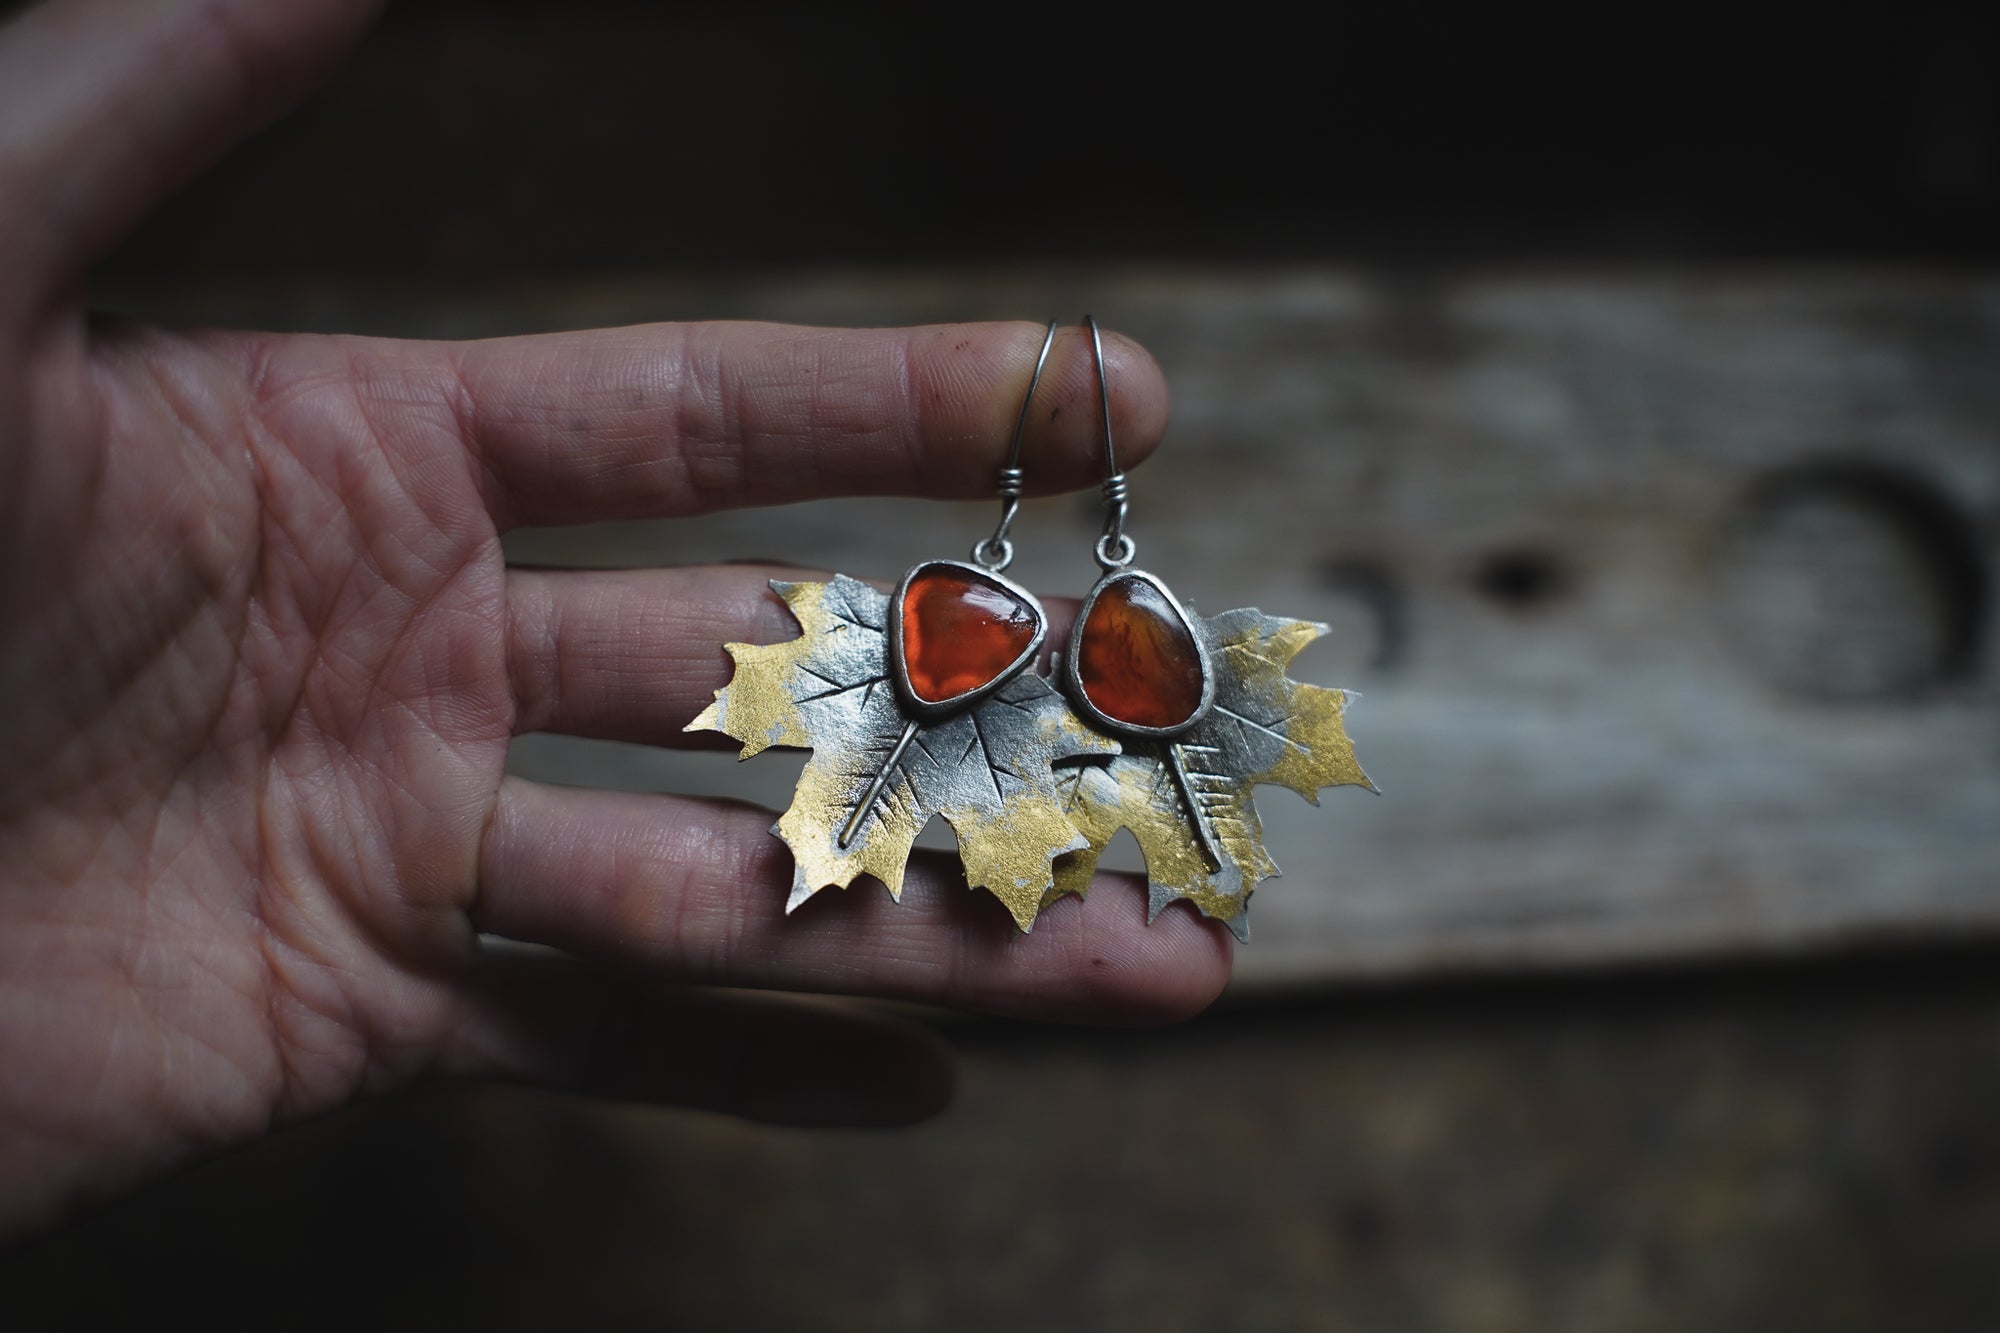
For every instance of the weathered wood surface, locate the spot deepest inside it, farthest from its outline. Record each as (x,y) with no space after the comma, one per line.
(1669,595)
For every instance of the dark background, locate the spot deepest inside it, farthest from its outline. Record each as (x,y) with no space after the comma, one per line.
(514,139)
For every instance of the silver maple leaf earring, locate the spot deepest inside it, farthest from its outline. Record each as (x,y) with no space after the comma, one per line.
(1204,711)
(959,630)
(920,704)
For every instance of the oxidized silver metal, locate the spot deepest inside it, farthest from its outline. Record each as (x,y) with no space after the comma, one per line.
(996,552)
(1188,800)
(986,768)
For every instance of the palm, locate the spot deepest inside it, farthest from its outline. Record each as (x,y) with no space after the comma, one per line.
(265,659)
(244,825)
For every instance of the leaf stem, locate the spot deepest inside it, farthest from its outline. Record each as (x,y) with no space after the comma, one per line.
(1204,836)
(860,814)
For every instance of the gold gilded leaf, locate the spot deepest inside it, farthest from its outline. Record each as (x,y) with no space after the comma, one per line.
(756,707)
(987,770)
(1188,800)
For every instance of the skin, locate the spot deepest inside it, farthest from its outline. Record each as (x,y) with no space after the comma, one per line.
(263,659)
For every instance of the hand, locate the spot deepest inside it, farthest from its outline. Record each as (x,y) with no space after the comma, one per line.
(263,658)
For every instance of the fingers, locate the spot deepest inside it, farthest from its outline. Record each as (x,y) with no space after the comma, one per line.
(107,105)
(696,890)
(633,655)
(550,1021)
(663,420)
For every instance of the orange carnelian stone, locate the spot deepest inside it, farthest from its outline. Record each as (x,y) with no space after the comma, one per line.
(961,631)
(1136,660)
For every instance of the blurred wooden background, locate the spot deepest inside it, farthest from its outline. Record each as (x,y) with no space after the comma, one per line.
(1627,400)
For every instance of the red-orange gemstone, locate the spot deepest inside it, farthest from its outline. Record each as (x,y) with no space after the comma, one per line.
(961,631)
(1136,659)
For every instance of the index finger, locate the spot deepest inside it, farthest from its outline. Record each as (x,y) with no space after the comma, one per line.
(675,419)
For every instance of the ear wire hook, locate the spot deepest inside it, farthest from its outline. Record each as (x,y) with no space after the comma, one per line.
(997,552)
(1115,549)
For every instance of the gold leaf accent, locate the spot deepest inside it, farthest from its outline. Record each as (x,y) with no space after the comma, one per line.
(1320,754)
(756,705)
(1265,728)
(987,770)
(1012,855)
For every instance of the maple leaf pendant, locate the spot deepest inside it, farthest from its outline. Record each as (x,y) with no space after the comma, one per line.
(927,704)
(1205,712)
(924,704)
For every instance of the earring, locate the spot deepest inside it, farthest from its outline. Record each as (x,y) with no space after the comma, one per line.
(925,703)
(1204,712)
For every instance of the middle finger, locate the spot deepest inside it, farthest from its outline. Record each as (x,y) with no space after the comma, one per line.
(633,655)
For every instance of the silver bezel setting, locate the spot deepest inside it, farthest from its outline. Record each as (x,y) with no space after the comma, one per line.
(924,709)
(1074,679)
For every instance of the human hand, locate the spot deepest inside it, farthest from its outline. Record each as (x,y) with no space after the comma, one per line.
(263,659)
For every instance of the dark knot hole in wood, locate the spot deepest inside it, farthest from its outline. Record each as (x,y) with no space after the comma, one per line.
(1521,578)
(1852,581)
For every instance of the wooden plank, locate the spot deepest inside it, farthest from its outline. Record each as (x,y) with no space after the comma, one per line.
(1669,595)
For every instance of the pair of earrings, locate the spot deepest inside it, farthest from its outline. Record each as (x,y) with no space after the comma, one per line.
(927,703)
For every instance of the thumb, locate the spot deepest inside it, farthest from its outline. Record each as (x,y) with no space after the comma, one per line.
(108,105)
